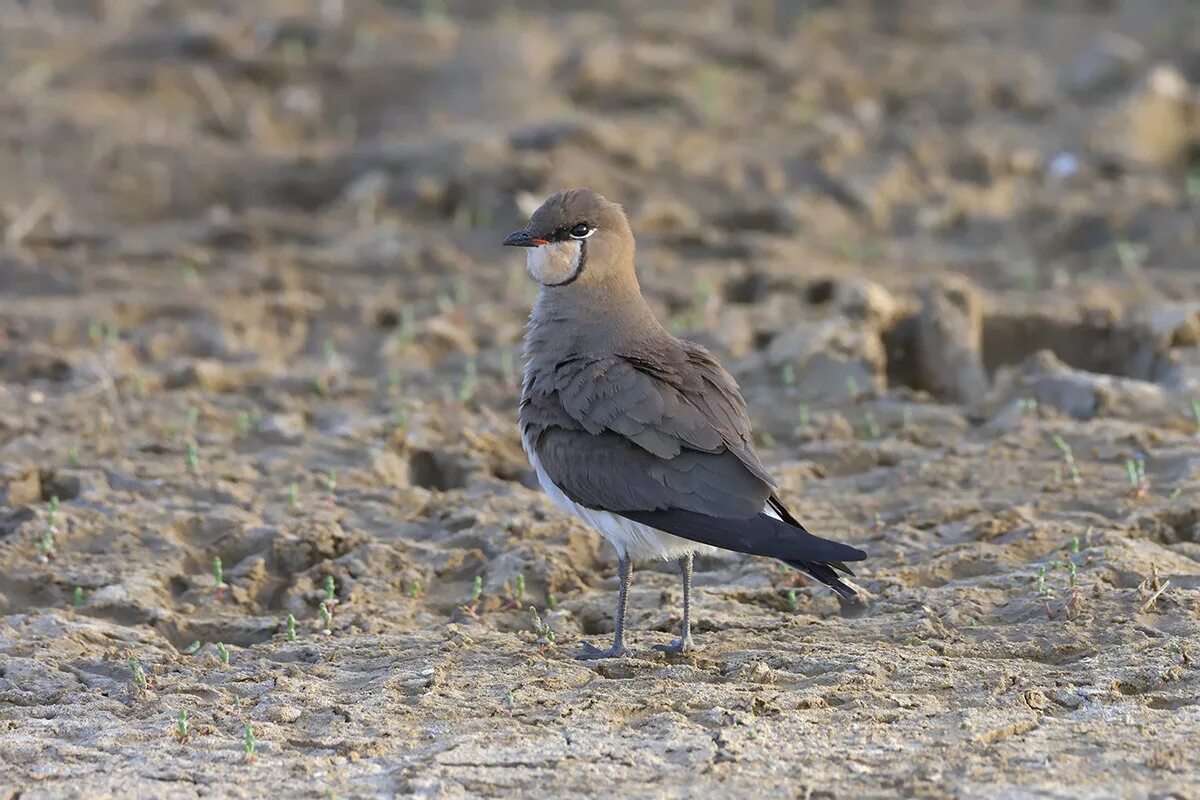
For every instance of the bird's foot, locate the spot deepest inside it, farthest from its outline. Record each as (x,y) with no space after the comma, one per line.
(591,653)
(684,645)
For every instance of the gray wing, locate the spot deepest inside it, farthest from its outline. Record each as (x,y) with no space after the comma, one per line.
(664,439)
(675,396)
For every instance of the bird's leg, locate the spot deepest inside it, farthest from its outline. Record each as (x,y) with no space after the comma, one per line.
(684,643)
(618,646)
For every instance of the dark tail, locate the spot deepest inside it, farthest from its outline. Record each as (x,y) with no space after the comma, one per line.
(822,571)
(760,535)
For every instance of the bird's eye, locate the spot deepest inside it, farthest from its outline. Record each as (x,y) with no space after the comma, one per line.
(582,231)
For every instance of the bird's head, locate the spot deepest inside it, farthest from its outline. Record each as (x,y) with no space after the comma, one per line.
(576,235)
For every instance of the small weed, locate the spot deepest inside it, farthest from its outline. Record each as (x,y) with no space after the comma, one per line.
(330,590)
(326,619)
(1068,457)
(792,602)
(139,675)
(331,482)
(466,389)
(219,585)
(414,589)
(73,456)
(509,701)
(1135,471)
(192,648)
(551,602)
(77,598)
(545,634)
(191,456)
(290,624)
(472,608)
(803,416)
(181,726)
(292,495)
(223,653)
(873,429)
(249,744)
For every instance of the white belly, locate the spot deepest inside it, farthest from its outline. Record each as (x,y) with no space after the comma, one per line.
(630,538)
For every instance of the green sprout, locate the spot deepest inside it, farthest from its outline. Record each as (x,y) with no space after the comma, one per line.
(139,674)
(414,589)
(73,456)
(191,456)
(509,701)
(551,601)
(803,415)
(330,590)
(192,649)
(1135,471)
(792,602)
(466,390)
(181,725)
(1041,580)
(405,330)
(223,653)
(788,374)
(248,742)
(477,589)
(1196,415)
(46,545)
(77,599)
(330,351)
(326,618)
(243,423)
(872,424)
(851,387)
(520,585)
(331,481)
(545,634)
(291,628)
(218,570)
(1068,459)
(293,495)
(1075,545)
(400,421)
(193,417)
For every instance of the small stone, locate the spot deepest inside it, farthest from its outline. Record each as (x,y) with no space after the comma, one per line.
(23,488)
(1106,65)
(948,342)
(1162,122)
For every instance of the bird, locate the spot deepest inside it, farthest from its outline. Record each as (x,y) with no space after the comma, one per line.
(640,434)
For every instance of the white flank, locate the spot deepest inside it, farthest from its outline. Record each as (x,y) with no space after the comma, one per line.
(629,538)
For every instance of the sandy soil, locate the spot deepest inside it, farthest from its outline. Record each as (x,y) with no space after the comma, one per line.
(252,308)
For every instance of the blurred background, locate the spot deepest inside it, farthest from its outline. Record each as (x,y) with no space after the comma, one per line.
(180,173)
